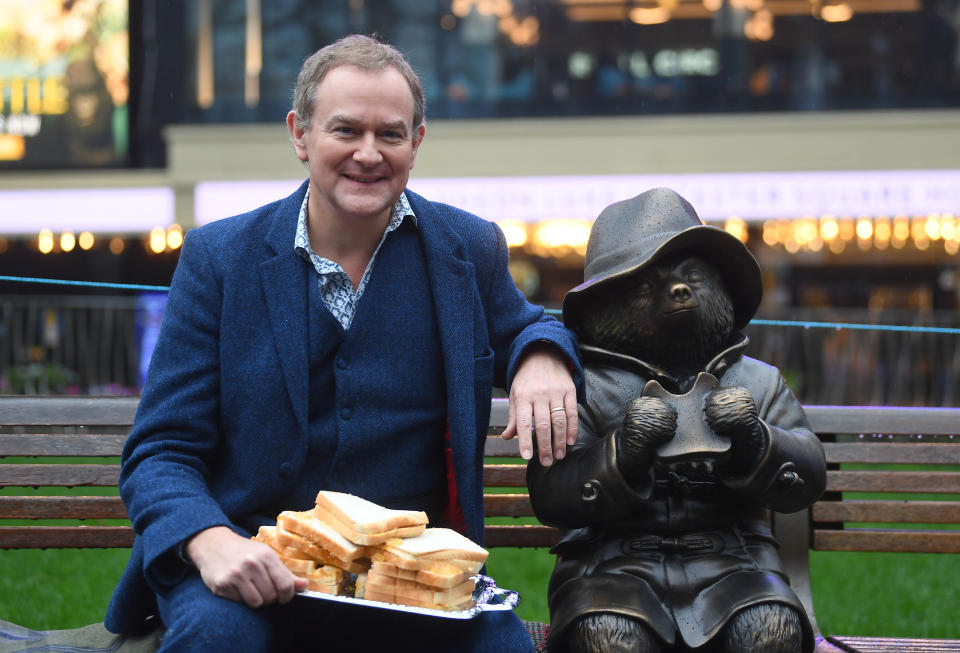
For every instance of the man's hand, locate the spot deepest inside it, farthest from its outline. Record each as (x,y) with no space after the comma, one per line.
(241,569)
(543,399)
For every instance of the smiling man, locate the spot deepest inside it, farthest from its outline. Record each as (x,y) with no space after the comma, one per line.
(346,338)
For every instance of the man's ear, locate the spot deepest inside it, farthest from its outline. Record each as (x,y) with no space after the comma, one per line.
(296,136)
(418,135)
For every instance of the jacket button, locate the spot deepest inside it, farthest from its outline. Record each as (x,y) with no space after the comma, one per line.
(346,413)
(286,470)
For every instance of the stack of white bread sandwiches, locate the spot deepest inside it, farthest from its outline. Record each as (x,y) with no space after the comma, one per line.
(349,546)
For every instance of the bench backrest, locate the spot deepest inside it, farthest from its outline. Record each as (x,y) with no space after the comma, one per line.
(893,472)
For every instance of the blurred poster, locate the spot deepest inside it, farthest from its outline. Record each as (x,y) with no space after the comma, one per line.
(150,307)
(64,83)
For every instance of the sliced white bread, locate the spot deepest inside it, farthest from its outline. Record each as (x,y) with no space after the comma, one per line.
(433,545)
(414,594)
(365,517)
(327,580)
(268,535)
(299,567)
(297,546)
(439,574)
(366,539)
(306,525)
(360,586)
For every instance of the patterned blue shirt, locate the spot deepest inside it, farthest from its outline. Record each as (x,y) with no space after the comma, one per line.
(336,289)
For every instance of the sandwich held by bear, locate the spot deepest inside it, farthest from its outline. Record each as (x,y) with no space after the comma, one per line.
(685,444)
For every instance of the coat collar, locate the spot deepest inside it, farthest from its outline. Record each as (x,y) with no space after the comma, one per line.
(717,366)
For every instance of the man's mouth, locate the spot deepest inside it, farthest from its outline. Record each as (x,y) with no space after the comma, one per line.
(363,179)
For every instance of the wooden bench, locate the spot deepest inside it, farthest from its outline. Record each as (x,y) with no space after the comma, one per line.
(862,445)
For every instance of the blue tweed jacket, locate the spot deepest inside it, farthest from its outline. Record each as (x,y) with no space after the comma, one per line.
(222,424)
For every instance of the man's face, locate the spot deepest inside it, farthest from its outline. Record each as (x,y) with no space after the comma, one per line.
(361,145)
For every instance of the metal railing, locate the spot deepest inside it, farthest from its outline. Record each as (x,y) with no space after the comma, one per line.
(57,344)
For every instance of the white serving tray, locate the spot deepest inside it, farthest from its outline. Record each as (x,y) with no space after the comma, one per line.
(487,598)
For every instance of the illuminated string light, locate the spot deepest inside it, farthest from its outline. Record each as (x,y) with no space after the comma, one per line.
(158,240)
(737,227)
(561,237)
(45,241)
(174,236)
(85,240)
(515,231)
(829,228)
(67,241)
(116,245)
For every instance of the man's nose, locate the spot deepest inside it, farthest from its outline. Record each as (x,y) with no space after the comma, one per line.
(680,292)
(367,152)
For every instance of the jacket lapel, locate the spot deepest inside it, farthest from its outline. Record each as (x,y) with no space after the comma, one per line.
(451,279)
(285,288)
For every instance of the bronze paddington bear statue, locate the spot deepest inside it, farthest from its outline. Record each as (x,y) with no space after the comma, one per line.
(684,446)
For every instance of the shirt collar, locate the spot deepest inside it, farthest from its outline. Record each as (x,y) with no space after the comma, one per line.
(401,210)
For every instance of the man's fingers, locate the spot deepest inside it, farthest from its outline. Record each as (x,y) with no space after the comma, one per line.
(524,428)
(543,431)
(249,592)
(558,422)
(284,582)
(570,406)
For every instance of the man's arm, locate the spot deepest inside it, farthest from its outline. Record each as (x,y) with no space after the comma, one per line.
(538,360)
(166,467)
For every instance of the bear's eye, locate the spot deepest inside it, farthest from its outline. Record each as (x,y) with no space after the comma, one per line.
(644,287)
(694,275)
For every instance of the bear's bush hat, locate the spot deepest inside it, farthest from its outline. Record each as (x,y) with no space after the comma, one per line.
(632,234)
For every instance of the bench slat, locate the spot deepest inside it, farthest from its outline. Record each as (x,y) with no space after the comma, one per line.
(66,537)
(507,505)
(43,444)
(889,420)
(68,411)
(69,475)
(892,452)
(497,446)
(505,476)
(916,512)
(891,541)
(893,481)
(72,507)
(524,536)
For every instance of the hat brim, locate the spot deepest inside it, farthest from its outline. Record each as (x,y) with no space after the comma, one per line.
(733,260)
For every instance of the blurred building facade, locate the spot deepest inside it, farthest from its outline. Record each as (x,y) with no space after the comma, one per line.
(823,132)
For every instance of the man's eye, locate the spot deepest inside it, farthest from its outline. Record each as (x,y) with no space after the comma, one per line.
(343,130)
(393,136)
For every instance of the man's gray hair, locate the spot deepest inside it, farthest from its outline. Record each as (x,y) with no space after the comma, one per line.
(354,50)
